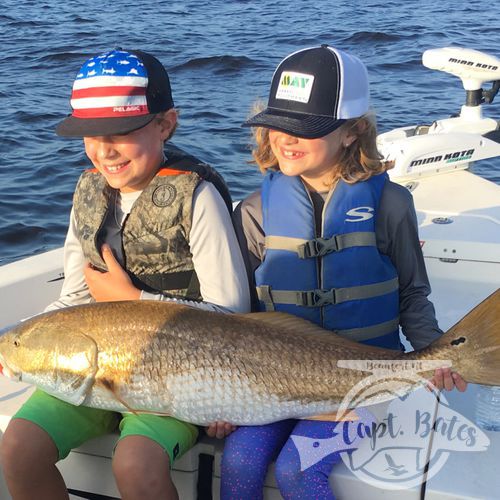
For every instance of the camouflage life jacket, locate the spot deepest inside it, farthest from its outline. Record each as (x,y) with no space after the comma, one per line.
(155,234)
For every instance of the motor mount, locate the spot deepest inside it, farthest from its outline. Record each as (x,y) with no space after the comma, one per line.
(450,143)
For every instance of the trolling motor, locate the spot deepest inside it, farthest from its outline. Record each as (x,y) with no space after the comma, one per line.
(452,143)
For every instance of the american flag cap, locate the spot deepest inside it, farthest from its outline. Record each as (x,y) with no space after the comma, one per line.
(115,93)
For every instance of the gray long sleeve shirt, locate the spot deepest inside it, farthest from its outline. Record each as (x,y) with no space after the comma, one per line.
(397,237)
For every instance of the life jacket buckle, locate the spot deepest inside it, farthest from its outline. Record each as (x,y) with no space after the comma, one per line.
(318,247)
(318,298)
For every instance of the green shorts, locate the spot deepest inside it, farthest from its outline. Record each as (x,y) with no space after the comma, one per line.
(70,426)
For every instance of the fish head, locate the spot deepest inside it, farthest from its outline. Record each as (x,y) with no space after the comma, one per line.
(9,370)
(43,352)
(22,350)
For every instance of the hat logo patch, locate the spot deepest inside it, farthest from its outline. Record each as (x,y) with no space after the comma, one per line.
(295,86)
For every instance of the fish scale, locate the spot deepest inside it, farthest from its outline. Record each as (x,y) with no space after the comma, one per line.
(201,367)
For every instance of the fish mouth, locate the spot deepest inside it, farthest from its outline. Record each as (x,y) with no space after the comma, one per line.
(8,372)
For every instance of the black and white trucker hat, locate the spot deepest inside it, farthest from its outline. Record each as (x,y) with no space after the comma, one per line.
(313,92)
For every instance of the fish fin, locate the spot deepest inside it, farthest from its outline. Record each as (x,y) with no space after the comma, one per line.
(74,393)
(151,412)
(74,367)
(109,385)
(78,396)
(476,340)
(283,320)
(349,416)
(291,323)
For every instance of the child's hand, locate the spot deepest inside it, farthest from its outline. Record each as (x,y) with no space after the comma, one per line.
(444,378)
(115,284)
(220,429)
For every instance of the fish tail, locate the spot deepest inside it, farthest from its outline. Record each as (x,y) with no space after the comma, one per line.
(474,343)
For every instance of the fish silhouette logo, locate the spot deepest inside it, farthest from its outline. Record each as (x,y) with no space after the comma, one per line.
(313,450)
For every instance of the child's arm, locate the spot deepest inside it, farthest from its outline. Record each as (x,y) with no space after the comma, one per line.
(397,237)
(417,316)
(74,290)
(248,225)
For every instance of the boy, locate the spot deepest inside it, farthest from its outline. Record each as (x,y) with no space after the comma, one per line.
(147,222)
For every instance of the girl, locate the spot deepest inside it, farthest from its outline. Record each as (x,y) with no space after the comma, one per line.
(328,238)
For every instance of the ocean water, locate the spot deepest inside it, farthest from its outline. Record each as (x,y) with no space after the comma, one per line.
(220,55)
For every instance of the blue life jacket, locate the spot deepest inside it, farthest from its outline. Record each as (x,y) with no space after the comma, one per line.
(339,280)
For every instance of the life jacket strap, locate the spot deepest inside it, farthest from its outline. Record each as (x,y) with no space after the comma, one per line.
(264,294)
(177,280)
(318,247)
(319,298)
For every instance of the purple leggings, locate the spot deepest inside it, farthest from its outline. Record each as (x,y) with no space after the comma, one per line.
(305,475)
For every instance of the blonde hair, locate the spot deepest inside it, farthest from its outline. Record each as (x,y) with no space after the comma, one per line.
(356,162)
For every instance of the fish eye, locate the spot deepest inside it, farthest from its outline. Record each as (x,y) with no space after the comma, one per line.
(17,343)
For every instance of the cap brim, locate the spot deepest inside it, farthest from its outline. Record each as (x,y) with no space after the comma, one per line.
(297,124)
(92,127)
